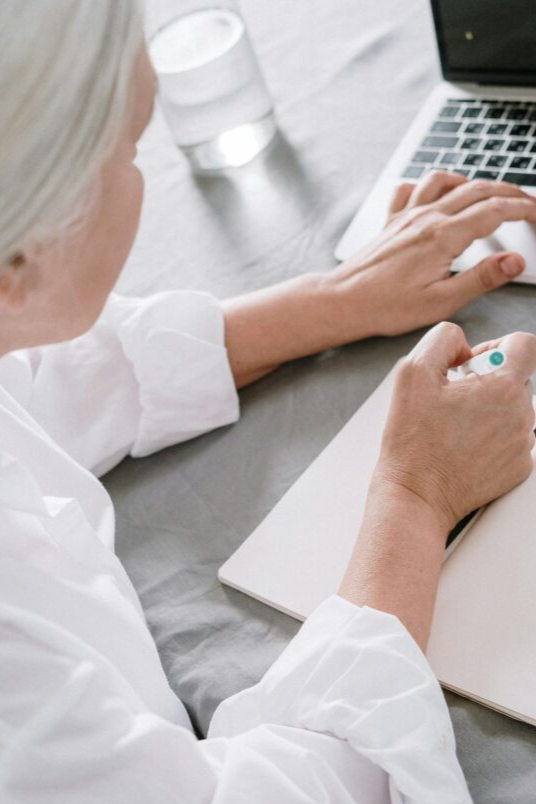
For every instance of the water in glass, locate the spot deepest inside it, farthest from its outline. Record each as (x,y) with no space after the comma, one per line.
(212,91)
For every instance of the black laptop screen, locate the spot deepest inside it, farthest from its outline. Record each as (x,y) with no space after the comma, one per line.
(490,41)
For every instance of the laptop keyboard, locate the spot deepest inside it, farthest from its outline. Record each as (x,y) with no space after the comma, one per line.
(481,139)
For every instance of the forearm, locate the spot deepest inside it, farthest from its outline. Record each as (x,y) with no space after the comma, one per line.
(397,559)
(284,322)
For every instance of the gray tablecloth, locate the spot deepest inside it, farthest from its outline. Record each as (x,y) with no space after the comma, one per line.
(346,77)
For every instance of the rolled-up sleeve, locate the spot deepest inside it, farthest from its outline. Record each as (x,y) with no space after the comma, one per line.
(357,675)
(349,714)
(152,372)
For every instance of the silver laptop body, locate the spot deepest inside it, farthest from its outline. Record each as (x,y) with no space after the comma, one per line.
(480,121)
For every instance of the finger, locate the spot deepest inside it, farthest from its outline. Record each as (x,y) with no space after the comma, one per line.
(520,351)
(490,273)
(474,191)
(401,197)
(434,187)
(482,219)
(441,348)
(497,343)
(486,346)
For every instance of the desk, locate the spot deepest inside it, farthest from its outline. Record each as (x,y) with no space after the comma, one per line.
(346,77)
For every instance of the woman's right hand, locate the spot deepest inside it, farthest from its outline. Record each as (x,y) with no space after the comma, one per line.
(459,444)
(449,447)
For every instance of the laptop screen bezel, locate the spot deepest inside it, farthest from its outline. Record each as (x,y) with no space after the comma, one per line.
(484,76)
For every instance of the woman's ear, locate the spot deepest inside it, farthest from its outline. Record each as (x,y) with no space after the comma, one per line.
(13,284)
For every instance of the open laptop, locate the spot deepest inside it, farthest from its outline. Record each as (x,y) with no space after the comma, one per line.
(481,121)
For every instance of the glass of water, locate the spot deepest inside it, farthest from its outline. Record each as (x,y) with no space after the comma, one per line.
(211,88)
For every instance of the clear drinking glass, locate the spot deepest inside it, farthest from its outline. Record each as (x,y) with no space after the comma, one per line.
(211,88)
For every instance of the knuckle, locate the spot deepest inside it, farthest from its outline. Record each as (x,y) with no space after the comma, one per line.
(434,230)
(402,191)
(481,188)
(525,345)
(486,275)
(411,370)
(440,178)
(449,329)
(434,183)
(529,340)
(497,206)
(407,367)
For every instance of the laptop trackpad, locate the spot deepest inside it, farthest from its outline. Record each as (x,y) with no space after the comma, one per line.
(518,237)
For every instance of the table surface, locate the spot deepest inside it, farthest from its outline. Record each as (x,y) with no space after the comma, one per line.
(346,79)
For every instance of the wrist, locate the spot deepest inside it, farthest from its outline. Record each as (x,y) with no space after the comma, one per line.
(398,555)
(391,492)
(282,322)
(302,316)
(328,312)
(349,303)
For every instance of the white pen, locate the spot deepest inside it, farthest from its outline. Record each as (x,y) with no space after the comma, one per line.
(484,363)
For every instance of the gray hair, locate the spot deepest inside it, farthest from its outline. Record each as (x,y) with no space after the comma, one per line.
(65,76)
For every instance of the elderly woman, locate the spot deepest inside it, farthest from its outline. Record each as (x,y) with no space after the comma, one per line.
(351,711)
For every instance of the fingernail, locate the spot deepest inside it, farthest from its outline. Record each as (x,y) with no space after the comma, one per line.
(511,266)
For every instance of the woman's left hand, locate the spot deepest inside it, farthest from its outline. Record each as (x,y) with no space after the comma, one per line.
(402,280)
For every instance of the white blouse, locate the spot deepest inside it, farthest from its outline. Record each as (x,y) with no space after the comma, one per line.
(350,712)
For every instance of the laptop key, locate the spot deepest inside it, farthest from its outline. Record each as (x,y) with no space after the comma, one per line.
(450,158)
(518,146)
(473,159)
(496,161)
(473,128)
(524,179)
(491,175)
(446,127)
(440,142)
(461,172)
(413,172)
(449,111)
(494,145)
(426,157)
(520,163)
(516,114)
(519,130)
(496,129)
(472,111)
(494,113)
(471,144)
